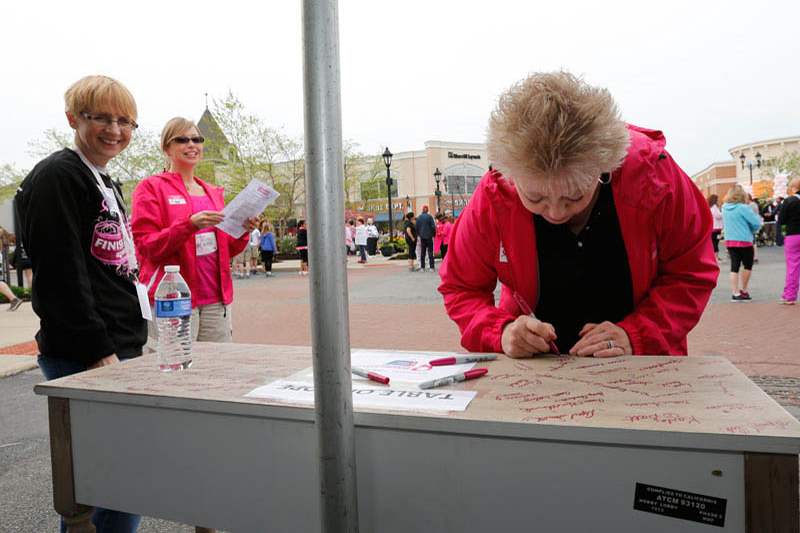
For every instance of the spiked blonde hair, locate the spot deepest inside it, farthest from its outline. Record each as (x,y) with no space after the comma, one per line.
(554,125)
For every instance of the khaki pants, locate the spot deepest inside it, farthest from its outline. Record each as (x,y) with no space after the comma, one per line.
(210,323)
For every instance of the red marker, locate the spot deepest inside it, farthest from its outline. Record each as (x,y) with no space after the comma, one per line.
(461,359)
(372,376)
(463,376)
(526,309)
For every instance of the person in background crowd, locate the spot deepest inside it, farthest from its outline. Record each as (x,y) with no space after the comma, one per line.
(302,247)
(361,240)
(254,252)
(372,237)
(768,216)
(585,219)
(410,234)
(23,264)
(267,247)
(790,215)
(443,229)
(778,222)
(349,237)
(740,224)
(426,231)
(175,214)
(15,302)
(753,205)
(73,222)
(716,217)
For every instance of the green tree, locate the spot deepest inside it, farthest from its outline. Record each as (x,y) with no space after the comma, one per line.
(786,163)
(10,177)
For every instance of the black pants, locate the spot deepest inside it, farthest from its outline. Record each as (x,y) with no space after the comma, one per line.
(741,257)
(266,258)
(715,240)
(372,245)
(427,246)
(443,250)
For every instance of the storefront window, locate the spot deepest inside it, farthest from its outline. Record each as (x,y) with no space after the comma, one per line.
(462,179)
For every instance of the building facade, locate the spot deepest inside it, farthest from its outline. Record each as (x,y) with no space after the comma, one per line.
(760,171)
(461,166)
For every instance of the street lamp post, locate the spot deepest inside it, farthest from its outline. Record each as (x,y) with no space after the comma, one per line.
(438,177)
(387,160)
(750,164)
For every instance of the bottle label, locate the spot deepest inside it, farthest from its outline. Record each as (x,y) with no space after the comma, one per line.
(173,308)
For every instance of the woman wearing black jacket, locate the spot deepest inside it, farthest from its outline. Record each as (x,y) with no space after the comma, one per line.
(790,216)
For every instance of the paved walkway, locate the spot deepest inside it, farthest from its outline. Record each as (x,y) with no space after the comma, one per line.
(392,307)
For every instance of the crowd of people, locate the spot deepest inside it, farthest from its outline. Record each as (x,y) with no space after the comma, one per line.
(426,237)
(744,224)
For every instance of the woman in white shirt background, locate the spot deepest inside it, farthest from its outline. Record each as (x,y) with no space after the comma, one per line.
(716,215)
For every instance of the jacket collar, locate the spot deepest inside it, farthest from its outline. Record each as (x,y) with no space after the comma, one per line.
(176,182)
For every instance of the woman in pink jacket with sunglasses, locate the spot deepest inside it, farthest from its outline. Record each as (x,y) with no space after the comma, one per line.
(174,219)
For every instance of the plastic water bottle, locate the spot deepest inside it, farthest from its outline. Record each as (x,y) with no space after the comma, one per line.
(174,321)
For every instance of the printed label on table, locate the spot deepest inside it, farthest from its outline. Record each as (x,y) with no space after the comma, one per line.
(173,308)
(366,396)
(680,504)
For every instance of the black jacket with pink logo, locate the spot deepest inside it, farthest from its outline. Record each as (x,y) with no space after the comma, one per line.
(83,290)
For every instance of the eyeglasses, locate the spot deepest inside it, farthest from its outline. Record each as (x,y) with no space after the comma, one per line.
(106,121)
(197,139)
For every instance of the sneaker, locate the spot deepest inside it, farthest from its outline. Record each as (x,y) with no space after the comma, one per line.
(744,295)
(269,274)
(737,298)
(15,303)
(787,302)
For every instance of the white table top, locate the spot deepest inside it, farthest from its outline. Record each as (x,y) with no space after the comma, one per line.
(691,402)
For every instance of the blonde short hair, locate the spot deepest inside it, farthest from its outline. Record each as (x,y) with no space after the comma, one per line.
(735,195)
(794,185)
(98,94)
(555,125)
(174,128)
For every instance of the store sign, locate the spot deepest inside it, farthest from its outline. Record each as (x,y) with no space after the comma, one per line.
(453,155)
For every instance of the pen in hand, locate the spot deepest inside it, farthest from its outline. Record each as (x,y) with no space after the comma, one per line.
(526,309)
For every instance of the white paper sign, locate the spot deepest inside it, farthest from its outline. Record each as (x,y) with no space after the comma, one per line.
(250,202)
(366,396)
(406,367)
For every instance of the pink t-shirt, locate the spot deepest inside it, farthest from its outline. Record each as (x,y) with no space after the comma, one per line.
(207,290)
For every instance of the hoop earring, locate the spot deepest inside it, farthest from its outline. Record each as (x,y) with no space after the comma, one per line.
(605,178)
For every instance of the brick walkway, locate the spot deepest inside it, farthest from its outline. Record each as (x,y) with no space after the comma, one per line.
(25,348)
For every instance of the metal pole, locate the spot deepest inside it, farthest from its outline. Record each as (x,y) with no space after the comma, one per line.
(329,305)
(389,194)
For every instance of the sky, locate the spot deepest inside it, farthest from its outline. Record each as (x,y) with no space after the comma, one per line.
(710,74)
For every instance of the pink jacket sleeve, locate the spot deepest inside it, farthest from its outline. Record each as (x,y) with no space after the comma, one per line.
(687,270)
(469,278)
(153,239)
(235,246)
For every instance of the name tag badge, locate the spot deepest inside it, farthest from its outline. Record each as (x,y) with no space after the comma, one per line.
(176,200)
(205,243)
(144,301)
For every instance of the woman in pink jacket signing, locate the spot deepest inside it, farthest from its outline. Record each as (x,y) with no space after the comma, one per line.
(600,241)
(174,219)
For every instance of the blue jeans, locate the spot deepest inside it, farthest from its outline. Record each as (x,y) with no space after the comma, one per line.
(362,249)
(104,520)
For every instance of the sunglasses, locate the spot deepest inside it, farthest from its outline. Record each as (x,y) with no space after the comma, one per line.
(199,139)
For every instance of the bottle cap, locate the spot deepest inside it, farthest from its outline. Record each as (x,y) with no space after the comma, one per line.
(172,268)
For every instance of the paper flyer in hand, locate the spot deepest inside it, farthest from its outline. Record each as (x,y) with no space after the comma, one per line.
(250,202)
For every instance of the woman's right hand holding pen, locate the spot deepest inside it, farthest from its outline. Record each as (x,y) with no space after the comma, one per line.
(527,336)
